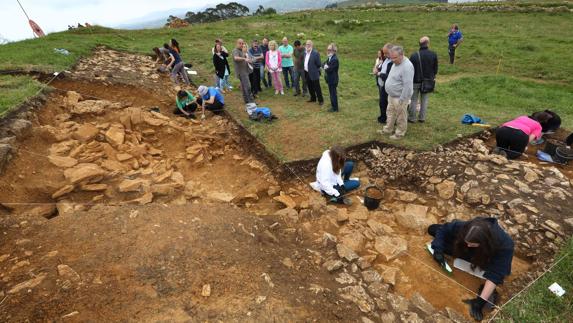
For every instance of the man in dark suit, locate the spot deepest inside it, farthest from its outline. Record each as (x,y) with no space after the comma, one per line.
(331,70)
(312,64)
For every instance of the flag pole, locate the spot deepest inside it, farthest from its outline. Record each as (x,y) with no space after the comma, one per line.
(26,15)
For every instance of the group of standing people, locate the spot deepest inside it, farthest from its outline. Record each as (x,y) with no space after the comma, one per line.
(282,67)
(402,82)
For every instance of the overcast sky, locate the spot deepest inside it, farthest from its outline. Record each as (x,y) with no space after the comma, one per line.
(56,15)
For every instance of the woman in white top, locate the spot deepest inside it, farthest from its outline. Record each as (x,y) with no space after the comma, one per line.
(273,63)
(333,175)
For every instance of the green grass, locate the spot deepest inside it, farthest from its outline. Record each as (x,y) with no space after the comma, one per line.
(538,304)
(15,89)
(510,64)
(493,98)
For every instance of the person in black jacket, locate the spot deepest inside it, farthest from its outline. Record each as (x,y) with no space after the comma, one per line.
(331,75)
(222,69)
(483,243)
(312,65)
(425,64)
(383,69)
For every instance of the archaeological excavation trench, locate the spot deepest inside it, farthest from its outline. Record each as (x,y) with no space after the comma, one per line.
(113,209)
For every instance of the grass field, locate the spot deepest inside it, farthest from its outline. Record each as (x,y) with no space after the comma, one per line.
(14,90)
(510,64)
(538,304)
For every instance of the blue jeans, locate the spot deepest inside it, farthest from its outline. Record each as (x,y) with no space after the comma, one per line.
(263,76)
(349,184)
(286,72)
(223,83)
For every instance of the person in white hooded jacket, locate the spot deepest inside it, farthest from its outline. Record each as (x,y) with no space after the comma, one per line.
(333,175)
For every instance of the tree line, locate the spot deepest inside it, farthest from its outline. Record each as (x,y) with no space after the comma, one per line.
(221,12)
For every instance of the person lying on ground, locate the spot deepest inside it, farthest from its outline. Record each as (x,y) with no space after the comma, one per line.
(186,104)
(513,137)
(484,244)
(333,175)
(212,99)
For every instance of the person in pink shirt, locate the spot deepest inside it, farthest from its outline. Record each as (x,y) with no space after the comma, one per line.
(513,137)
(273,62)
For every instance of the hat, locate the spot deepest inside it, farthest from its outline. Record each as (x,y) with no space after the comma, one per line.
(203,90)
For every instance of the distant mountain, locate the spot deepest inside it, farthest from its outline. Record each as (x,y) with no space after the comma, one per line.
(3,40)
(290,5)
(357,3)
(155,19)
(158,19)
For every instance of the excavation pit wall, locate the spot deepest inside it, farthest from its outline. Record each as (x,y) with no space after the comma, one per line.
(405,184)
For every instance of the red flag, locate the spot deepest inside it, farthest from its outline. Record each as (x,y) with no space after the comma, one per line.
(36,29)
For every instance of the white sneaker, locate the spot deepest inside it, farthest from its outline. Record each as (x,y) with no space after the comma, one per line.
(394,137)
(384,132)
(282,92)
(276,92)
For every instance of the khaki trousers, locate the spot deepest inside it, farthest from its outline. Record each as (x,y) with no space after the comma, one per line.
(397,117)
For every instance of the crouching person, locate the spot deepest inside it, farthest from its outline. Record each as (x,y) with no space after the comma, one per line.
(484,244)
(212,99)
(186,104)
(333,176)
(513,137)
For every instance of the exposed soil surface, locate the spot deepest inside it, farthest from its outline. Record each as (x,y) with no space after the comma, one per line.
(152,263)
(112,211)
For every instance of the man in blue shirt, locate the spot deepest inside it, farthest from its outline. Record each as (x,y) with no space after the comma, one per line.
(455,38)
(287,51)
(212,99)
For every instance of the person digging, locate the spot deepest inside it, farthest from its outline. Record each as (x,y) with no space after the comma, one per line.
(485,245)
(186,104)
(211,99)
(333,176)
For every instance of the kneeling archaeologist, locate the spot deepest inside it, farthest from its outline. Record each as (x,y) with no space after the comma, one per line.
(333,176)
(484,244)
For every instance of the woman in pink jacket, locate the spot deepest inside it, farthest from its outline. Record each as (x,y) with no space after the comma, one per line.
(513,137)
(273,62)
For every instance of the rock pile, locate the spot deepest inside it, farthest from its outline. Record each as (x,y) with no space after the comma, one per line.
(112,66)
(124,158)
(467,178)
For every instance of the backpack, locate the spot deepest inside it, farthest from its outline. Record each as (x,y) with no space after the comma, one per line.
(262,114)
(259,114)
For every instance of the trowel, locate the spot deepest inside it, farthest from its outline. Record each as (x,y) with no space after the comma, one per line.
(445,267)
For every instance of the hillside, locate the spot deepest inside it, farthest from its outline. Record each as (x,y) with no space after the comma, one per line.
(503,54)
